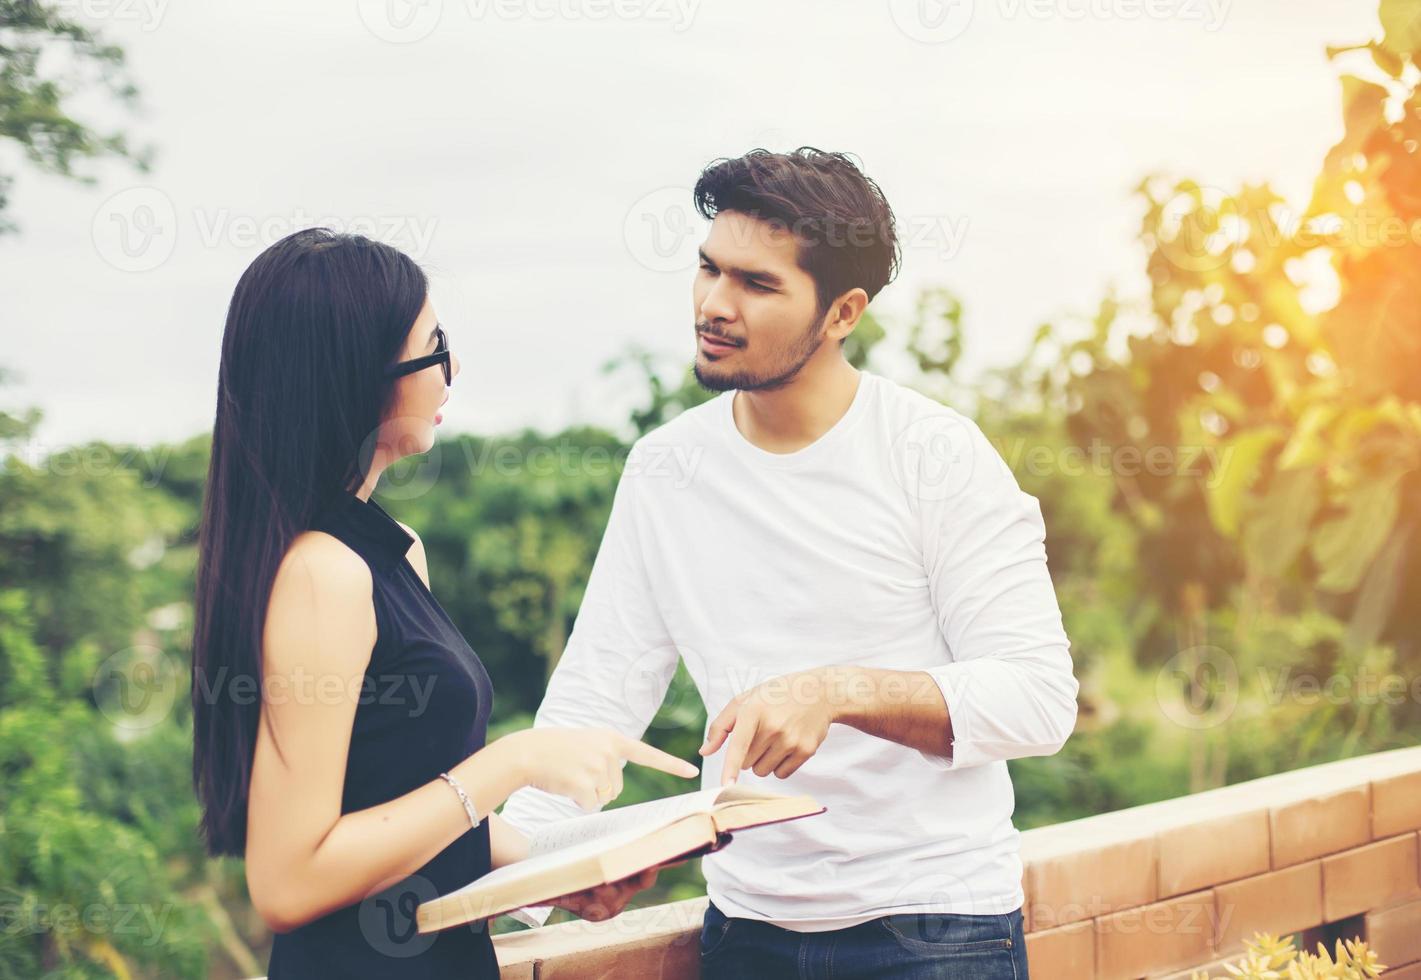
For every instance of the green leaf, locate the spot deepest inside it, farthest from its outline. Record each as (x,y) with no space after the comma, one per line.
(1379,590)
(1345,547)
(1305,447)
(1241,460)
(1401,19)
(1275,529)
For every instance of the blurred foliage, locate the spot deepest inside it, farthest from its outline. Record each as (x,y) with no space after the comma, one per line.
(1228,469)
(37,90)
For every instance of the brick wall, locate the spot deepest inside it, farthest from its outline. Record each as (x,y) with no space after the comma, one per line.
(1153,891)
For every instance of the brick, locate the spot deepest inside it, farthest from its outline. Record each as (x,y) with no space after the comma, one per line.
(1214,969)
(1157,938)
(1396,804)
(1279,902)
(1210,850)
(1065,953)
(657,941)
(1077,877)
(1308,828)
(1395,933)
(1370,877)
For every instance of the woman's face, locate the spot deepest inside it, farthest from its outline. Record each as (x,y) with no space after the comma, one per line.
(409,423)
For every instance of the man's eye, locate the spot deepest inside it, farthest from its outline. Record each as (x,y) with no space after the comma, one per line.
(760,287)
(706,266)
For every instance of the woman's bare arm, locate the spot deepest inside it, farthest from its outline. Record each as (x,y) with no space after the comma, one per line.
(304,859)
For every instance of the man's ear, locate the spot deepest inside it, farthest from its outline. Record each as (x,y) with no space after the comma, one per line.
(844,314)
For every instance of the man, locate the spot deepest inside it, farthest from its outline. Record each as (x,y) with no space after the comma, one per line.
(859,590)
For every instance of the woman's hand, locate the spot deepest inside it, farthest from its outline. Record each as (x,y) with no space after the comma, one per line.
(585,764)
(605,901)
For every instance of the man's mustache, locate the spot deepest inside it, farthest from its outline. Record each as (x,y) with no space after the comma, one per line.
(710,331)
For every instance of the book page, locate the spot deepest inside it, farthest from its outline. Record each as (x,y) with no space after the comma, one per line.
(640,818)
(554,859)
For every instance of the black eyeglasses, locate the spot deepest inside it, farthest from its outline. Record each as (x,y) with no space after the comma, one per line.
(440,357)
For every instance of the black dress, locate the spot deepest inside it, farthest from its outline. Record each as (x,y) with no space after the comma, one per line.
(424,707)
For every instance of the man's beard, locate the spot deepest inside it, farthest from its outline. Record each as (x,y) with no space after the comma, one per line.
(798,355)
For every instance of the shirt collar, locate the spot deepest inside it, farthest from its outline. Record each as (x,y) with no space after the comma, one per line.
(378,536)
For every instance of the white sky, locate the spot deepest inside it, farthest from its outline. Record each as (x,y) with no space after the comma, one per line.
(522,148)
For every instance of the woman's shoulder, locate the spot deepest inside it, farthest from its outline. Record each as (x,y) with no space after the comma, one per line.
(321,599)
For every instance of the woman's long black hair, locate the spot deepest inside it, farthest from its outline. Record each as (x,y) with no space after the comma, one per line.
(300,394)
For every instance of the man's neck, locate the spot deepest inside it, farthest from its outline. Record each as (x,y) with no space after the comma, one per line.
(787,419)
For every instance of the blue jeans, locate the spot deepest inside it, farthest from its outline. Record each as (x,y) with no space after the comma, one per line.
(940,946)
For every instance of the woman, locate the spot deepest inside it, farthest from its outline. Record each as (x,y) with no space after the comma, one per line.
(339,716)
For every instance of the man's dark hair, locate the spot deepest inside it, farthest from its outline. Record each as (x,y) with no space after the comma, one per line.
(842,220)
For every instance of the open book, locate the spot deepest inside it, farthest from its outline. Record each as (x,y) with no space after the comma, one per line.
(583,852)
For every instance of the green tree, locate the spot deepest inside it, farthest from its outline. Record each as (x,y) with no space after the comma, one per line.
(36,96)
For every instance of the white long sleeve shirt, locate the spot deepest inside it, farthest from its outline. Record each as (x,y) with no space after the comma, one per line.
(899,539)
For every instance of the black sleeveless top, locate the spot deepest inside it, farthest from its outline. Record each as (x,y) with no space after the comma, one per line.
(424,707)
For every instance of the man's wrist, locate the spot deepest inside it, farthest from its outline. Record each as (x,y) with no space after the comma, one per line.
(847,691)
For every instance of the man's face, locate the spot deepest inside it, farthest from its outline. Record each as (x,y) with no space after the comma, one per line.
(756,311)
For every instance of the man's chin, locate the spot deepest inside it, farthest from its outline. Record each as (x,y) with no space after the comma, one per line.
(711,378)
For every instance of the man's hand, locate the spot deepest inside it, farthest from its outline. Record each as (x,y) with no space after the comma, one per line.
(775,727)
(608,900)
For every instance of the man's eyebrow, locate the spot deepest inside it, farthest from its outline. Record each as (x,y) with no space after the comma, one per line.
(756,275)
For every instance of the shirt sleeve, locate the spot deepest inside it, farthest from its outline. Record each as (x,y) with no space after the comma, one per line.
(617,665)
(1009,686)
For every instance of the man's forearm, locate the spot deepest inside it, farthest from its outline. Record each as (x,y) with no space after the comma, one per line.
(507,844)
(903,706)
